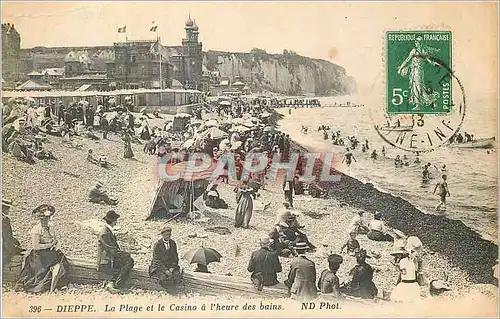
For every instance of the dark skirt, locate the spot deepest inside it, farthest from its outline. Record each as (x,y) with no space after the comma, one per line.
(37,276)
(379,236)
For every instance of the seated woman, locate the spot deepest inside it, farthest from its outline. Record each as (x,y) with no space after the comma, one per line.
(39,274)
(377,230)
(212,198)
(361,282)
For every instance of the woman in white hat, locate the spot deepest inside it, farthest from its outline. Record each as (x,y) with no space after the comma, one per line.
(415,248)
(37,273)
(407,290)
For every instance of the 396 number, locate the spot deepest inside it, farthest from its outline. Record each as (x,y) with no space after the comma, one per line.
(35,309)
(398,95)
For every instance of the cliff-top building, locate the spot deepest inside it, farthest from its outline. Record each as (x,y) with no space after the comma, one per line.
(188,58)
(11,47)
(129,64)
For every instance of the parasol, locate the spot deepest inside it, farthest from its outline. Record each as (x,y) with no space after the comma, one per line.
(215,133)
(265,114)
(188,143)
(202,255)
(211,122)
(238,121)
(239,128)
(183,115)
(236,145)
(225,103)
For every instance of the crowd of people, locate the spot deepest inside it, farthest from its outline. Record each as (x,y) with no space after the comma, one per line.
(247,128)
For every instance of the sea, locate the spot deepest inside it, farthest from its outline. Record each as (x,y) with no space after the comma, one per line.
(472,173)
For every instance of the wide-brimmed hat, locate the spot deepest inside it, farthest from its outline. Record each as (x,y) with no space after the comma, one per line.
(301,246)
(335,259)
(111,216)
(399,249)
(166,229)
(43,210)
(413,243)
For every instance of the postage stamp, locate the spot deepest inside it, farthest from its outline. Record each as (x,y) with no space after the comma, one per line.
(417,81)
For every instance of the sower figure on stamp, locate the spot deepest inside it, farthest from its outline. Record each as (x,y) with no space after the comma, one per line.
(109,254)
(264,265)
(165,263)
(413,67)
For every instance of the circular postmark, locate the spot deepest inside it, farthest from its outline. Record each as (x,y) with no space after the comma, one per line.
(425,100)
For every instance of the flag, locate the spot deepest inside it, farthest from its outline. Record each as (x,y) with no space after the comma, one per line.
(122,29)
(153,28)
(155,48)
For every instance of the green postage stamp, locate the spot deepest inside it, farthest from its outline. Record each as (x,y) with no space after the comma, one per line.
(419,75)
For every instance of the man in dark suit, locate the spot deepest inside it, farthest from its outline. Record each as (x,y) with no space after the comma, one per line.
(165,264)
(264,264)
(109,253)
(302,277)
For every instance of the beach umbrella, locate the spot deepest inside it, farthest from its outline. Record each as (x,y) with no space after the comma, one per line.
(238,121)
(183,169)
(265,114)
(248,124)
(212,122)
(188,143)
(202,255)
(216,133)
(240,128)
(236,145)
(183,115)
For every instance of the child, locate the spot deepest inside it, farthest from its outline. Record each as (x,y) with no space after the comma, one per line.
(352,245)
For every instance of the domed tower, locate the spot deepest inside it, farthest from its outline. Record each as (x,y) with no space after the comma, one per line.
(11,53)
(192,52)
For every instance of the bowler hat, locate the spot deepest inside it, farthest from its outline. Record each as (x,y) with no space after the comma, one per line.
(335,259)
(166,229)
(111,216)
(43,210)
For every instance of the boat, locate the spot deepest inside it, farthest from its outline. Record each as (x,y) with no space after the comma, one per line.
(479,143)
(402,128)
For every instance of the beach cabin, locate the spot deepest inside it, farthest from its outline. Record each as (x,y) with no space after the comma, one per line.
(180,122)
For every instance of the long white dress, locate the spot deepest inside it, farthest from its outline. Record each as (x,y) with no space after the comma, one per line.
(408,289)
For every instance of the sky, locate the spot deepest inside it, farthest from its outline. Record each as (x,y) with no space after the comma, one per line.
(348,34)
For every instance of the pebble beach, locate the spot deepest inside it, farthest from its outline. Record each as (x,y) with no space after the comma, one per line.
(65,183)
